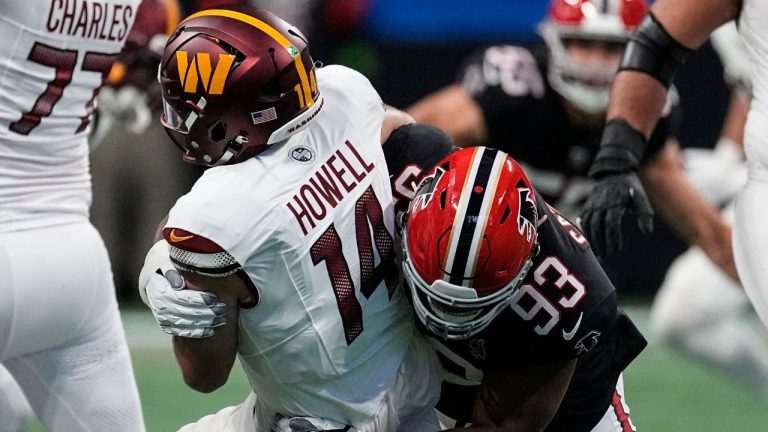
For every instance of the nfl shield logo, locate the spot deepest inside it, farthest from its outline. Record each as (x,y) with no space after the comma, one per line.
(302,154)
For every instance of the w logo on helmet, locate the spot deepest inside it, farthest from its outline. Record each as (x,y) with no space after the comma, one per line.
(527,216)
(200,69)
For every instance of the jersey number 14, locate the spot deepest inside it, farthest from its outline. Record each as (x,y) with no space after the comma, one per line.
(369,223)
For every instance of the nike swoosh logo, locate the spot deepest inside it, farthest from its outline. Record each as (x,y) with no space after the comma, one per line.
(176,239)
(569,335)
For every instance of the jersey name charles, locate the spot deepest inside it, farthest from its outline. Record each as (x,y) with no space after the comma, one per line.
(328,185)
(90,19)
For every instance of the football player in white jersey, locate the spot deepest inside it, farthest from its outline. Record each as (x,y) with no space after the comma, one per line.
(286,243)
(658,47)
(60,332)
(698,309)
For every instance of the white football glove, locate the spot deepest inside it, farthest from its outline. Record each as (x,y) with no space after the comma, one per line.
(310,424)
(178,311)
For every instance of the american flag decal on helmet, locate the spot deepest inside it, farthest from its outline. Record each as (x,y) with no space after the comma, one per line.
(263,116)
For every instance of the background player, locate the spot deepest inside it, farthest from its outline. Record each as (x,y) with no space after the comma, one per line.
(60,332)
(658,47)
(698,309)
(549,113)
(291,230)
(519,310)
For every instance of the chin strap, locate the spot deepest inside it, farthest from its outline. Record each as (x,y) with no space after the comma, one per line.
(235,146)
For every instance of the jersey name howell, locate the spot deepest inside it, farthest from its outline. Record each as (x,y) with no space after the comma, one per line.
(336,178)
(90,19)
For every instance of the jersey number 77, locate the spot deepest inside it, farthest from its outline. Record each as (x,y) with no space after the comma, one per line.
(63,61)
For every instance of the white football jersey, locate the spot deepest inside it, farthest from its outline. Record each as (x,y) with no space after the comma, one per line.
(753,27)
(54,56)
(311,222)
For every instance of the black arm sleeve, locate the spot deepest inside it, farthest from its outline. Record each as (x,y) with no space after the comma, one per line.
(411,151)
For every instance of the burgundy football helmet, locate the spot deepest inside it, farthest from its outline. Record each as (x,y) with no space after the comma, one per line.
(469,238)
(586,86)
(235,80)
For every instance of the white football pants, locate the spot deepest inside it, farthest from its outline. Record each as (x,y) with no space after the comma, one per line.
(15,412)
(698,308)
(60,331)
(750,240)
(703,312)
(407,407)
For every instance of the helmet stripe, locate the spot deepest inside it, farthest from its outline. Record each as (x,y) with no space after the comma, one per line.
(482,219)
(271,32)
(476,196)
(460,211)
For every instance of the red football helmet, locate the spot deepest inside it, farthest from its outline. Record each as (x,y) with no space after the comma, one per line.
(235,81)
(587,86)
(469,237)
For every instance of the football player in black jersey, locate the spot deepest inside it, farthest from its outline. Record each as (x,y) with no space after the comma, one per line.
(521,314)
(539,112)
(548,113)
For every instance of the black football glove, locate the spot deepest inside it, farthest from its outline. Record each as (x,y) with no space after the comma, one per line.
(618,189)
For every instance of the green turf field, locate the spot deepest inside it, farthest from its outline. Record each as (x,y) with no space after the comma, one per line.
(666,391)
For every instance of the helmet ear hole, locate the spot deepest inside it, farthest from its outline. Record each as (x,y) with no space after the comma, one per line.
(442,199)
(218,131)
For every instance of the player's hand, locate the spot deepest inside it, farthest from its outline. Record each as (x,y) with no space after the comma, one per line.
(309,424)
(613,196)
(157,261)
(618,189)
(183,312)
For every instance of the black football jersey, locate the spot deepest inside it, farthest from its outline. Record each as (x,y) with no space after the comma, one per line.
(565,308)
(525,118)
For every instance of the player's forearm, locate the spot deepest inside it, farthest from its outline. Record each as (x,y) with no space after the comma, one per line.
(637,98)
(695,220)
(206,363)
(453,110)
(523,400)
(656,51)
